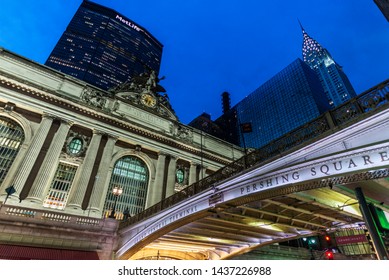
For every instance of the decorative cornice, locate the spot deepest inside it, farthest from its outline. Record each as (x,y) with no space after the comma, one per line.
(51,98)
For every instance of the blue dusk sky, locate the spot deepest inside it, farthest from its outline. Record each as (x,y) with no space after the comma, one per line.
(212,46)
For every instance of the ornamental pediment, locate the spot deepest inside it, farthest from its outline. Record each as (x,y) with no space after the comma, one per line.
(144,91)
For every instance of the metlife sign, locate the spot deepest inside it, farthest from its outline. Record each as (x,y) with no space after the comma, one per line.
(129,23)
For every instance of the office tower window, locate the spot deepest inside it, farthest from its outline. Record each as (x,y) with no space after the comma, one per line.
(104,48)
(291,98)
(11,138)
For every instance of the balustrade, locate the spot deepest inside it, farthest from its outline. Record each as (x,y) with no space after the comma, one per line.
(47,215)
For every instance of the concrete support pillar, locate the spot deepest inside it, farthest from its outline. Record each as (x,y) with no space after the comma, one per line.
(47,170)
(203,172)
(97,199)
(32,153)
(81,183)
(375,235)
(193,173)
(155,193)
(329,119)
(171,176)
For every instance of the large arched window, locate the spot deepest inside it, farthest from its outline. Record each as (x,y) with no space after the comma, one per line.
(11,139)
(132,176)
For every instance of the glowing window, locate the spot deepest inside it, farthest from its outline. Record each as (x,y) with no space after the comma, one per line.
(132,175)
(75,146)
(180,176)
(60,186)
(11,139)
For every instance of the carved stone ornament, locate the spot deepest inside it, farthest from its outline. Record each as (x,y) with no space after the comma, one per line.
(183,133)
(76,145)
(147,82)
(94,98)
(144,91)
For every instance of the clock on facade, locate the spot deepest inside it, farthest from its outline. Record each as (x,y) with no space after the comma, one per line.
(148,100)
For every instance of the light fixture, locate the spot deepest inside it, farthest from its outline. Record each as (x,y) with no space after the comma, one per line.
(116,191)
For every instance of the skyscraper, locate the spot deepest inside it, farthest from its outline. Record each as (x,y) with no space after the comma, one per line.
(104,48)
(291,98)
(336,85)
(383,5)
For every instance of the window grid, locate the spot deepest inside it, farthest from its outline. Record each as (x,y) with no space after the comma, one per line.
(180,176)
(75,146)
(11,138)
(131,174)
(59,190)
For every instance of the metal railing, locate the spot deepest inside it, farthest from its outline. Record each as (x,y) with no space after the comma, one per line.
(367,103)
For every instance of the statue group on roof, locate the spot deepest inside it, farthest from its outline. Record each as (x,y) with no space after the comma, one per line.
(145,82)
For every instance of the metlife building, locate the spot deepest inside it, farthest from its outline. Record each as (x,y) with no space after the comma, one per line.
(104,48)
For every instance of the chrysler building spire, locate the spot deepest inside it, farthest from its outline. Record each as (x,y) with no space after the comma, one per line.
(313,52)
(336,85)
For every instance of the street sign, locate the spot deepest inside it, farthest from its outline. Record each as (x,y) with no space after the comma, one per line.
(10,190)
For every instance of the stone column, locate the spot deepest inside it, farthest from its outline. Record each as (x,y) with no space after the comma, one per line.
(155,193)
(81,183)
(171,176)
(203,172)
(32,153)
(96,203)
(48,168)
(192,173)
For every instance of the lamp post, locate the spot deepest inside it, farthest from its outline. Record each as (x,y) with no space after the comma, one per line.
(116,191)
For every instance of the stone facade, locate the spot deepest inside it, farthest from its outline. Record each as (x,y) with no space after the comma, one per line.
(71,127)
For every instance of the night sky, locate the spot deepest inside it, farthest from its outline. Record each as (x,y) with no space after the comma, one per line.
(212,46)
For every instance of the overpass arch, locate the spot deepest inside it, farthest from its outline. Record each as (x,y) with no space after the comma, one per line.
(333,154)
(357,165)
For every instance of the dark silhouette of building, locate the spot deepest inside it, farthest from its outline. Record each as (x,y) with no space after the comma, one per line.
(226,102)
(104,48)
(291,98)
(204,123)
(383,5)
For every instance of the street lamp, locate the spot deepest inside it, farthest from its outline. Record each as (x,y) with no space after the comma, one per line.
(116,191)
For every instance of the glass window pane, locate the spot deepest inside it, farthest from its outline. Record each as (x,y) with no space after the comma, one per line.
(11,138)
(60,187)
(132,175)
(75,146)
(180,176)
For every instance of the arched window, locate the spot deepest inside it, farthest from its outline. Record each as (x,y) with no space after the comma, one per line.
(11,139)
(132,176)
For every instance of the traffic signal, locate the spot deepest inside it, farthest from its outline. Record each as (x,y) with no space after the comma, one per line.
(326,241)
(329,255)
(312,242)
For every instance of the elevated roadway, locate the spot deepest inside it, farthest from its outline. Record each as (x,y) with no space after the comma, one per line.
(300,185)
